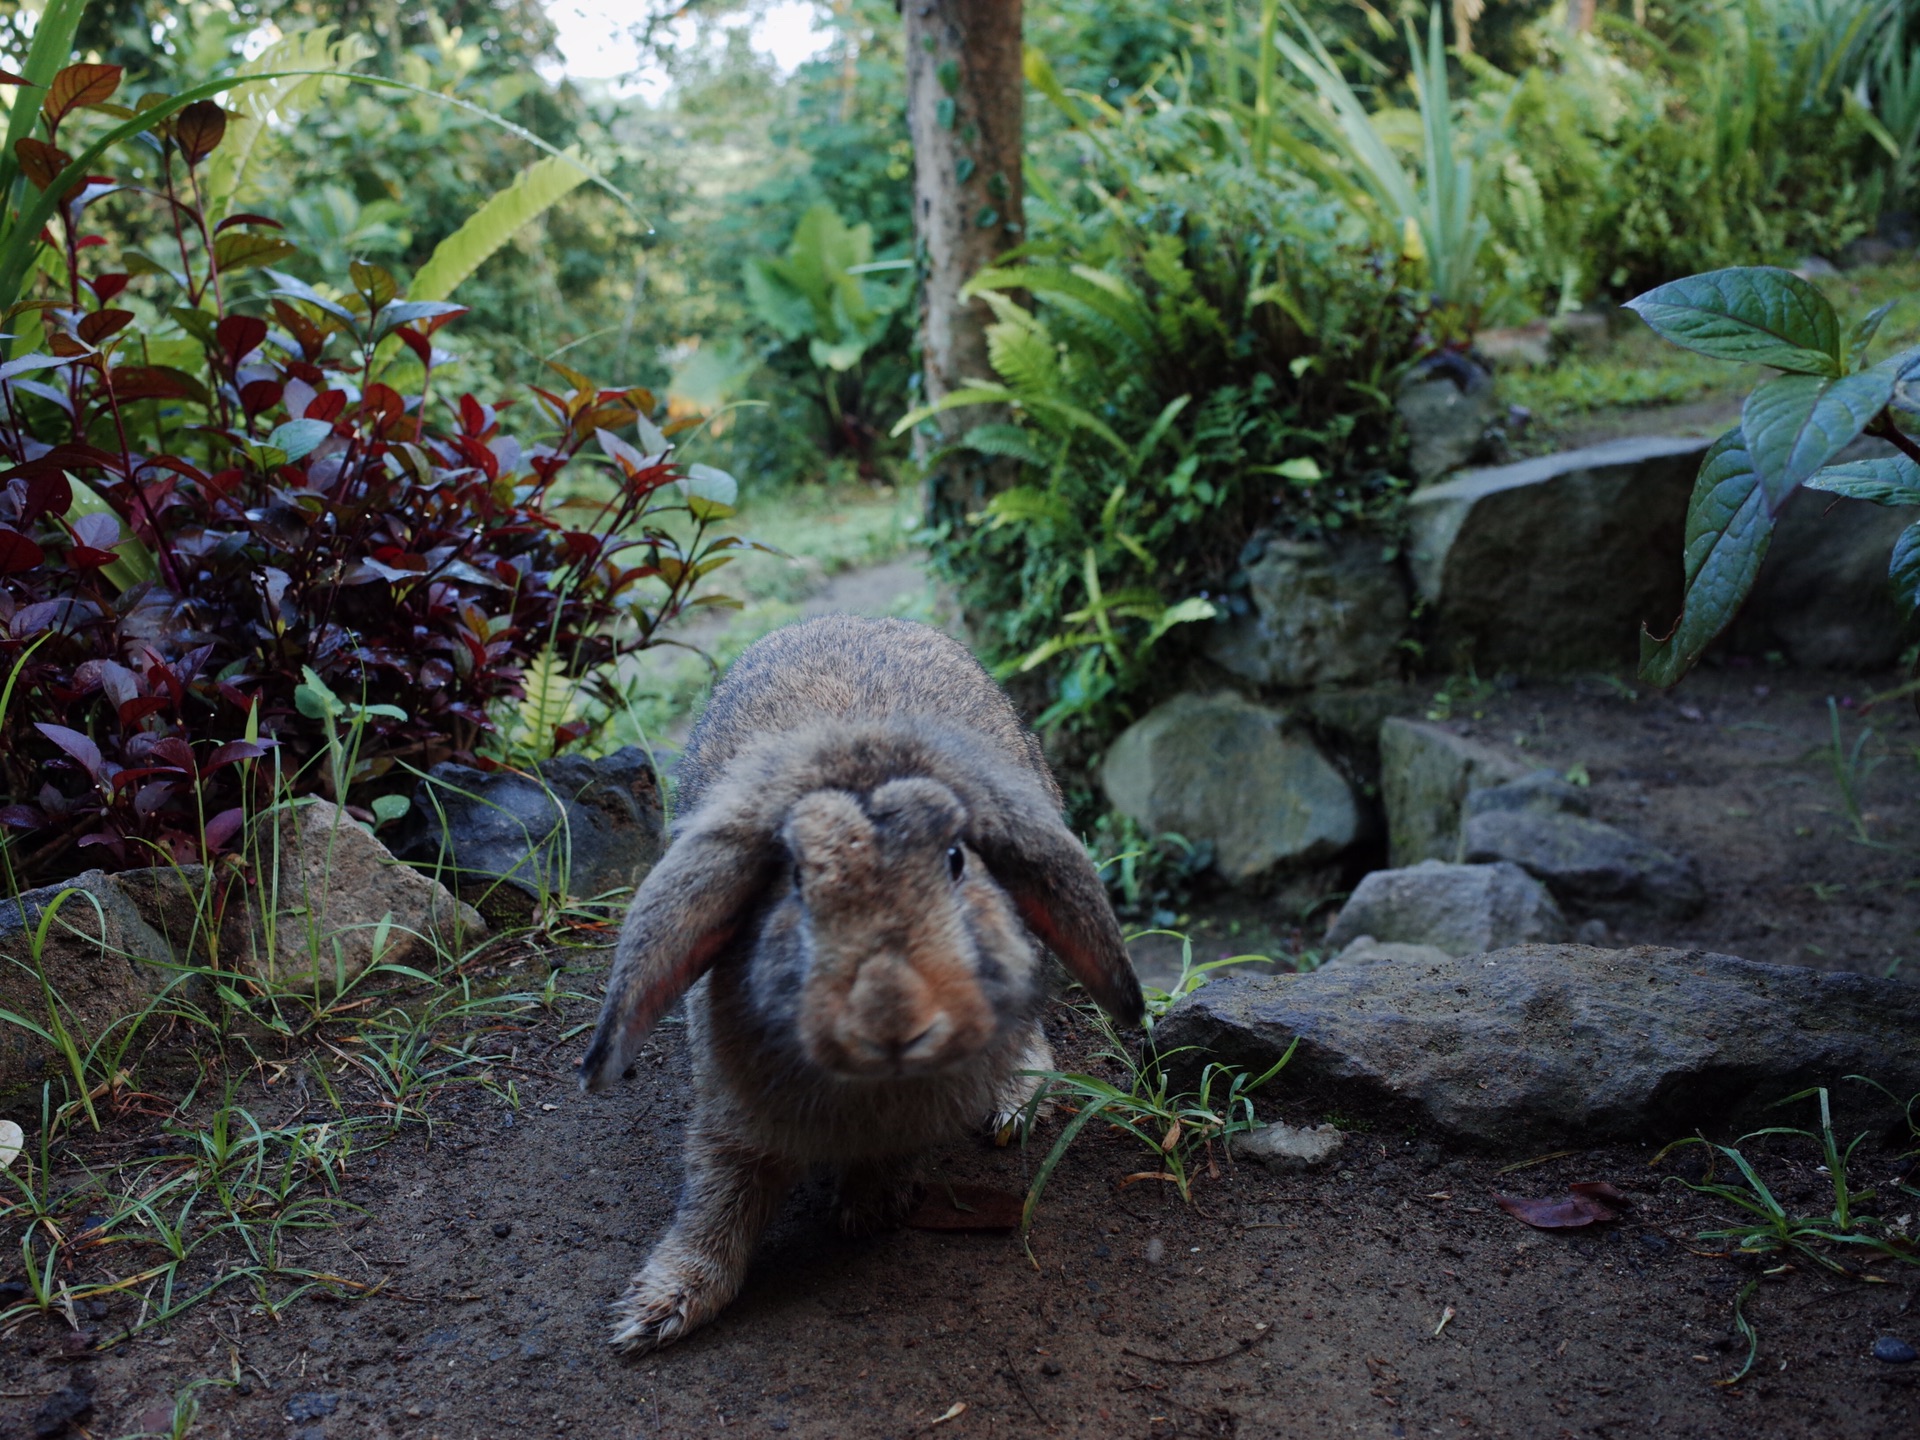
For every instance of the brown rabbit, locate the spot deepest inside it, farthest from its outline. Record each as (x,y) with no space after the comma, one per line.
(870,845)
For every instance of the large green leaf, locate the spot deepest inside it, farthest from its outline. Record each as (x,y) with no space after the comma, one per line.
(1728,529)
(1753,313)
(1892,480)
(533,192)
(1904,569)
(1796,424)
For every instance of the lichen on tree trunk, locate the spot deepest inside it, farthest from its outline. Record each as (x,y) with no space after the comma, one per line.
(965,92)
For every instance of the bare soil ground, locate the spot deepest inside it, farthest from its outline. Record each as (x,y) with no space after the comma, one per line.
(1275,1305)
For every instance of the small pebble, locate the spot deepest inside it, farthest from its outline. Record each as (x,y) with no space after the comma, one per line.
(1894,1351)
(502,1229)
(1156,1252)
(1049,1367)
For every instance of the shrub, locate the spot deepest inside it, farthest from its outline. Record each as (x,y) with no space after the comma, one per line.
(234,507)
(1210,357)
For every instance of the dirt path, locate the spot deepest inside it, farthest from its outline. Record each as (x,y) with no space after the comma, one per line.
(1288,1305)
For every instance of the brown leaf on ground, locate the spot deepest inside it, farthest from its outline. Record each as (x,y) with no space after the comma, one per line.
(1605,1193)
(1591,1202)
(967,1207)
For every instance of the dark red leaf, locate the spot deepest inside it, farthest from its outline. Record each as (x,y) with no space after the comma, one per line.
(233,750)
(79,85)
(416,342)
(7,77)
(18,554)
(239,336)
(967,1207)
(87,242)
(1604,1192)
(1566,1212)
(327,406)
(105,287)
(258,396)
(199,129)
(21,817)
(102,323)
(102,532)
(132,712)
(86,557)
(247,218)
(223,827)
(39,161)
(83,750)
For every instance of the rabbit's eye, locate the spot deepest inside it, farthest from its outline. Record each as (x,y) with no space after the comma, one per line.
(956,863)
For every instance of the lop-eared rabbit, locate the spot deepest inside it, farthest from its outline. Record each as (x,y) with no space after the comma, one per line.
(869,856)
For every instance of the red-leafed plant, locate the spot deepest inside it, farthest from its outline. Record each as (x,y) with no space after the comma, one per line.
(225,494)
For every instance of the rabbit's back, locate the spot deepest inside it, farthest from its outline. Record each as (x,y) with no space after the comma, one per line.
(847,667)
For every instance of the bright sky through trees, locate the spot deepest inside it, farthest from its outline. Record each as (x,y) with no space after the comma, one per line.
(595,43)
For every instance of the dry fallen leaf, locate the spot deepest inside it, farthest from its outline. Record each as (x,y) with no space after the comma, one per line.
(954,1412)
(11,1142)
(967,1207)
(1590,1202)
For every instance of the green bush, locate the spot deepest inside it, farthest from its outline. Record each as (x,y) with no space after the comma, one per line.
(1208,359)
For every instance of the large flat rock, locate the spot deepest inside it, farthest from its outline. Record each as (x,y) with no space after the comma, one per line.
(1552,565)
(1550,1044)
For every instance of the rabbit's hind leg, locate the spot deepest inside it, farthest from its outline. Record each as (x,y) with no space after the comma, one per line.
(1018,1091)
(730,1193)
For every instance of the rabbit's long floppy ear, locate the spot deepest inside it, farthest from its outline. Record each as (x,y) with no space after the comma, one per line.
(687,910)
(1045,869)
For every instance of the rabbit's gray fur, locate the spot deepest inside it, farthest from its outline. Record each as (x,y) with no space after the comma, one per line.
(870,840)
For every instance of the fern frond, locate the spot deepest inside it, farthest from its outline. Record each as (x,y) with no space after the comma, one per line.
(548,697)
(533,192)
(254,106)
(1009,441)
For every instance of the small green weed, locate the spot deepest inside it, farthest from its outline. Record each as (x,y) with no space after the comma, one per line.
(1842,1240)
(1176,1128)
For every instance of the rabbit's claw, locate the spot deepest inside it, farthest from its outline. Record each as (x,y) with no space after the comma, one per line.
(660,1307)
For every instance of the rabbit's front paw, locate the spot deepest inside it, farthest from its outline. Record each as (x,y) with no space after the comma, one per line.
(663,1303)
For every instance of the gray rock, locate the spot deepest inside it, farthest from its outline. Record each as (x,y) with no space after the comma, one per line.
(1553,1044)
(1288,1147)
(1822,596)
(511,841)
(102,960)
(1590,866)
(1365,947)
(1458,909)
(1551,565)
(1868,251)
(1426,774)
(173,899)
(1540,791)
(329,889)
(1816,267)
(1516,347)
(1323,614)
(1451,413)
(1220,768)
(1892,1350)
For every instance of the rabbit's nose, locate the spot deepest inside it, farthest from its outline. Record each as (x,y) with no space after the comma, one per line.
(893,1018)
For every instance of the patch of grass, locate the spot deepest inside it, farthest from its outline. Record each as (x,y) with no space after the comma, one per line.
(1177,1128)
(1843,1240)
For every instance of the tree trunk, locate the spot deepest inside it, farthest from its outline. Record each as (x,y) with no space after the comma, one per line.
(965,92)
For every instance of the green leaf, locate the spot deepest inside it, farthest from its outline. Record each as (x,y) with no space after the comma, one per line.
(388,808)
(133,562)
(1027,502)
(244,250)
(1893,480)
(534,190)
(1756,314)
(714,486)
(1904,569)
(1183,613)
(298,439)
(1795,424)
(1728,530)
(1864,329)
